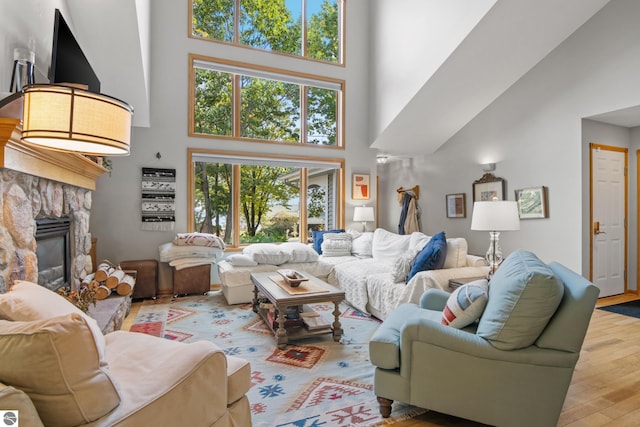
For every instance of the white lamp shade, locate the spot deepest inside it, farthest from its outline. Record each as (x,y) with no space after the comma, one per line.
(499,215)
(70,119)
(363,213)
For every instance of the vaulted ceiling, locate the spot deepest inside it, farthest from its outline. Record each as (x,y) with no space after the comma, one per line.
(507,42)
(490,51)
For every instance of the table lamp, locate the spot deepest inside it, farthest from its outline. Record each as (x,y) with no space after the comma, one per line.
(494,217)
(363,214)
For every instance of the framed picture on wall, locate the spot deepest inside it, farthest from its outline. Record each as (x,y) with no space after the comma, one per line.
(361,188)
(488,188)
(456,205)
(532,203)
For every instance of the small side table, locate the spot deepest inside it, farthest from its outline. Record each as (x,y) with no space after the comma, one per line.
(456,283)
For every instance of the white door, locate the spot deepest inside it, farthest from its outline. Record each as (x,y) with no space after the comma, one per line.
(608,220)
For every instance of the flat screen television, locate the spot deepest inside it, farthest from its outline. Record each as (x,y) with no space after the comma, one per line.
(68,63)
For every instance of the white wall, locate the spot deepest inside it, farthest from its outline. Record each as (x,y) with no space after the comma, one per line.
(27,24)
(115,218)
(400,63)
(533,132)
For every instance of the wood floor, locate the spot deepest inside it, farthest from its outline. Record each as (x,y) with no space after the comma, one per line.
(605,389)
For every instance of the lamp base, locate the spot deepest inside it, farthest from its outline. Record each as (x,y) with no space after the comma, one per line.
(494,253)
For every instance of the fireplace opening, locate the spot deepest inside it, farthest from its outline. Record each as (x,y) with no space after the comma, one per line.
(53,252)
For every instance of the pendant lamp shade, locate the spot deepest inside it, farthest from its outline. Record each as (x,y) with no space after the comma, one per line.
(66,118)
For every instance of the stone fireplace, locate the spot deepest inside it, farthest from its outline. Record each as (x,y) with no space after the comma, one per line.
(38,185)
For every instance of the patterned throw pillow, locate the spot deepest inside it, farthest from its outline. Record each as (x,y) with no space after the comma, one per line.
(318,238)
(336,244)
(198,239)
(402,266)
(466,304)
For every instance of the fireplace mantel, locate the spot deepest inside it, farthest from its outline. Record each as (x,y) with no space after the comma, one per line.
(68,168)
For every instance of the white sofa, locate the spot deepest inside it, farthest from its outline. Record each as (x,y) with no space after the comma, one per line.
(368,275)
(59,370)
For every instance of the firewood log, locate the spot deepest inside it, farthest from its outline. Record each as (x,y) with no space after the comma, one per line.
(103,270)
(125,287)
(90,281)
(102,292)
(115,277)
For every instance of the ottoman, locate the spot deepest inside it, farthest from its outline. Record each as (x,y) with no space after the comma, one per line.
(146,277)
(192,280)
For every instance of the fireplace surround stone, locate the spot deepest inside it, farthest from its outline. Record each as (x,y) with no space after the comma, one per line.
(26,197)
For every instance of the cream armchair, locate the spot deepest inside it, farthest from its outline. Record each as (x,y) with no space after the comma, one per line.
(59,370)
(517,376)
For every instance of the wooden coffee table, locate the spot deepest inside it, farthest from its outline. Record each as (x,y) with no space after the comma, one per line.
(282,296)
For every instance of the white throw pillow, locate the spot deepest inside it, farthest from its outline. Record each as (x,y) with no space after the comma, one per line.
(466,304)
(241,260)
(417,241)
(402,266)
(361,246)
(336,244)
(299,252)
(55,361)
(456,253)
(388,246)
(266,253)
(27,301)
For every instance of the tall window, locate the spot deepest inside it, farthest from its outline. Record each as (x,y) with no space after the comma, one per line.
(237,100)
(309,28)
(247,199)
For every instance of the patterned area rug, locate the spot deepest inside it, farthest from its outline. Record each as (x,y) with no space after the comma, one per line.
(313,382)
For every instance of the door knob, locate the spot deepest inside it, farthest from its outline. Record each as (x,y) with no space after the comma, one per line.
(596,228)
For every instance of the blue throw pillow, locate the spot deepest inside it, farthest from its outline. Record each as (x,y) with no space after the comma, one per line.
(318,238)
(431,257)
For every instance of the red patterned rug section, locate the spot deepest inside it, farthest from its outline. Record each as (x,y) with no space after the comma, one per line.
(149,328)
(176,314)
(324,389)
(353,415)
(298,356)
(351,313)
(176,335)
(258,326)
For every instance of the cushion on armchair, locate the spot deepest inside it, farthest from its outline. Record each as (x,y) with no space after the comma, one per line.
(466,304)
(523,295)
(55,361)
(27,301)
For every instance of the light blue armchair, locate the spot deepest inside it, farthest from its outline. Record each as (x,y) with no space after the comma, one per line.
(494,379)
